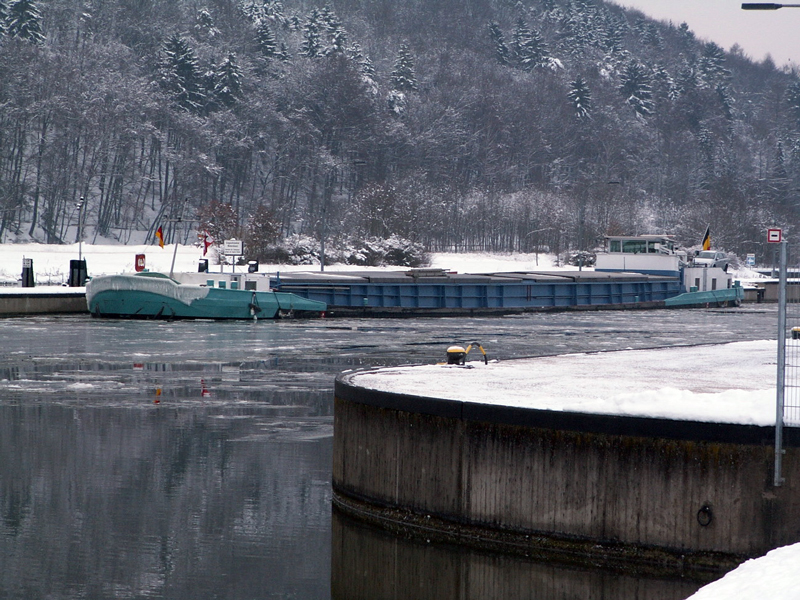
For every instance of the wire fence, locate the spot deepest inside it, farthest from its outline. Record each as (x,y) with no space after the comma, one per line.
(791,399)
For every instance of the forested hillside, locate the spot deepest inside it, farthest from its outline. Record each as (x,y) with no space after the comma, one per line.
(457,124)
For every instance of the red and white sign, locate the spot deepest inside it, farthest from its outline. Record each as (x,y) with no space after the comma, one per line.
(774,236)
(139,263)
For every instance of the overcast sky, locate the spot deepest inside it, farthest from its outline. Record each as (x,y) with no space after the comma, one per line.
(723,21)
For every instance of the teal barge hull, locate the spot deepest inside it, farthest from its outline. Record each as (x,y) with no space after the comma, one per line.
(154,296)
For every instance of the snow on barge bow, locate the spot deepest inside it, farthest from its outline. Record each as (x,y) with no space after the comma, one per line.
(156,296)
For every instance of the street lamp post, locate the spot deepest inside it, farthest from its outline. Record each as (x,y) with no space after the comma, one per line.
(77,268)
(589,189)
(766,6)
(536,241)
(780,388)
(778,479)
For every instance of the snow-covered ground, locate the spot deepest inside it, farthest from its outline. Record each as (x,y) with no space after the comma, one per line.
(774,576)
(51,262)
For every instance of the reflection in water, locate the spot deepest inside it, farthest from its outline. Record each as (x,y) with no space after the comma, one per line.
(371,565)
(163,502)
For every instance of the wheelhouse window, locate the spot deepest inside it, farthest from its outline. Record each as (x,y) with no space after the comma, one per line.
(634,246)
(642,246)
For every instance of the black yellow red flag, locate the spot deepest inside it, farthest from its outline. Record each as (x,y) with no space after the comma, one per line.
(707,239)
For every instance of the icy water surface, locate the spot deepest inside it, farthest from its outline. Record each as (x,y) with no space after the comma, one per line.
(143,459)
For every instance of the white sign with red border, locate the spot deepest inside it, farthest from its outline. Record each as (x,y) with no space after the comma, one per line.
(774,236)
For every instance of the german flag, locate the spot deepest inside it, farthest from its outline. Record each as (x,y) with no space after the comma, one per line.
(160,236)
(707,239)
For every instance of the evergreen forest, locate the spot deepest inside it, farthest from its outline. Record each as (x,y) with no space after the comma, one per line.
(493,125)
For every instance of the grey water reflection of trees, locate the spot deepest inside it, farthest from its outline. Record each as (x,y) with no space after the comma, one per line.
(161,502)
(367,563)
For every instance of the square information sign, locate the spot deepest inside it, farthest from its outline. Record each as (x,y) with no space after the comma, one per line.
(233,248)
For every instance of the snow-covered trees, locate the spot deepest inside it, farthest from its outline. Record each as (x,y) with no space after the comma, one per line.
(227,81)
(204,24)
(403,77)
(194,90)
(611,36)
(323,34)
(312,36)
(528,48)
(581,98)
(501,49)
(267,42)
(365,66)
(181,75)
(635,88)
(402,81)
(793,101)
(23,20)
(142,107)
(711,66)
(3,16)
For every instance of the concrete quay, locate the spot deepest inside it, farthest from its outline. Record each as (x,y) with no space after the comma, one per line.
(44,300)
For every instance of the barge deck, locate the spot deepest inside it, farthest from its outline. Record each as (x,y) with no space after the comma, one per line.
(438,292)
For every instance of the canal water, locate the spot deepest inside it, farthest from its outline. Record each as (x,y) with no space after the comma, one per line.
(185,460)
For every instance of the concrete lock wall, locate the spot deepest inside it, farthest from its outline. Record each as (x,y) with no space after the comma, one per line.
(638,489)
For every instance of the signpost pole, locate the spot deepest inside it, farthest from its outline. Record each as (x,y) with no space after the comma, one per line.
(781,382)
(233,248)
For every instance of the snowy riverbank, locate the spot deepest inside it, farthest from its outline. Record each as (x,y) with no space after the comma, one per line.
(51,262)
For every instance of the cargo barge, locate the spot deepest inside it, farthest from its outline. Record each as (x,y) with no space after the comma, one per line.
(633,272)
(440,292)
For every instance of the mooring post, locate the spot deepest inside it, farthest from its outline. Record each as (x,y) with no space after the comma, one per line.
(781,383)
